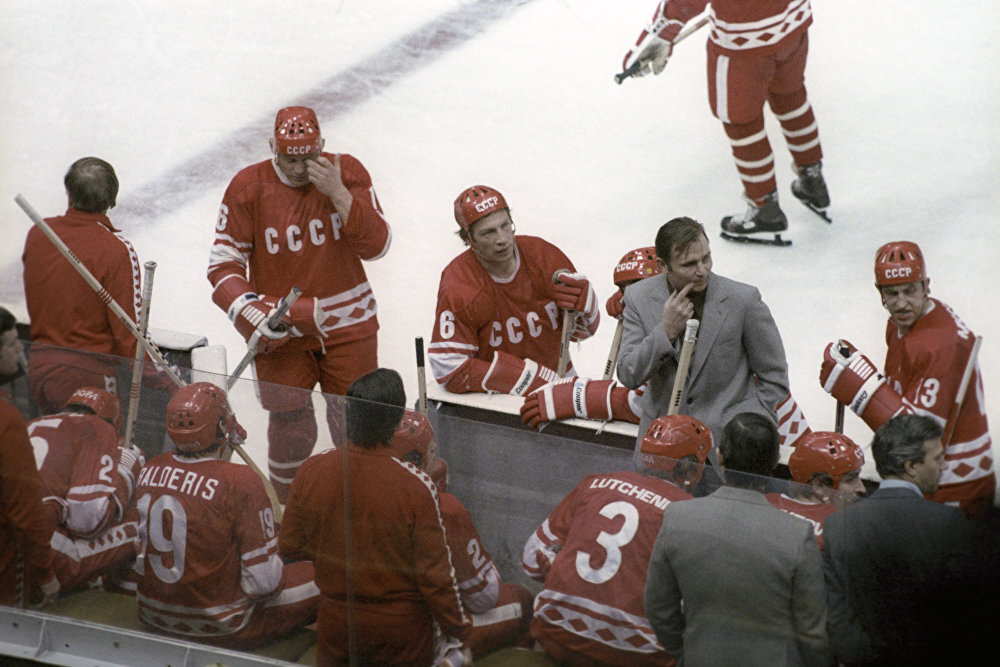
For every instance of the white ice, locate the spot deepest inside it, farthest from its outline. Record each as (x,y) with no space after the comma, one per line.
(906,95)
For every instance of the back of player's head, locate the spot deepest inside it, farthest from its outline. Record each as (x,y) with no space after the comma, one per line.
(376,408)
(92,185)
(412,439)
(899,263)
(676,235)
(7,320)
(199,418)
(900,441)
(102,403)
(296,132)
(670,440)
(750,444)
(477,202)
(825,453)
(636,265)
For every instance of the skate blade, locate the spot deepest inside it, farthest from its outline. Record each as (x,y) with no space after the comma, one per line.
(821,212)
(757,240)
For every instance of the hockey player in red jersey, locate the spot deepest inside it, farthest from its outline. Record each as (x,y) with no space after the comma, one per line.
(757,53)
(500,611)
(498,326)
(929,348)
(25,529)
(305,218)
(389,581)
(593,550)
(69,322)
(826,468)
(89,486)
(208,569)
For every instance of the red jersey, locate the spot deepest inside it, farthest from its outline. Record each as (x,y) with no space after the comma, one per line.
(25,529)
(64,310)
(738,26)
(272,236)
(402,566)
(814,512)
(925,367)
(602,535)
(209,546)
(478,314)
(477,574)
(77,458)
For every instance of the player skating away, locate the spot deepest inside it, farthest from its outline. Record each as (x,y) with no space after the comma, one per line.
(304,218)
(929,348)
(822,464)
(757,53)
(89,488)
(208,569)
(500,611)
(593,550)
(498,326)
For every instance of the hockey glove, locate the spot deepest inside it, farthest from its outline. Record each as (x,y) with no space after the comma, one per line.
(655,44)
(616,305)
(851,378)
(509,375)
(251,321)
(305,317)
(572,291)
(130,465)
(583,398)
(49,591)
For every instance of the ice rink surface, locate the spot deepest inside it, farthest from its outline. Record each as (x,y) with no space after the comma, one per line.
(438,95)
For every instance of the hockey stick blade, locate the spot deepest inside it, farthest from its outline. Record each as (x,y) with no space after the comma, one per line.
(776,241)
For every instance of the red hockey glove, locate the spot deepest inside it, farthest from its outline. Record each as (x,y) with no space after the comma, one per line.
(616,305)
(853,379)
(251,322)
(583,398)
(572,291)
(509,375)
(655,44)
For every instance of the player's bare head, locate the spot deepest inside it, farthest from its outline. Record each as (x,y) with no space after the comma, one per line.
(11,348)
(825,458)
(675,236)
(676,446)
(475,203)
(92,400)
(199,419)
(749,445)
(92,185)
(900,441)
(296,132)
(375,408)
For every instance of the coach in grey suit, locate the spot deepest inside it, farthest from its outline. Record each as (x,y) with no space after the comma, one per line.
(739,361)
(732,580)
(902,584)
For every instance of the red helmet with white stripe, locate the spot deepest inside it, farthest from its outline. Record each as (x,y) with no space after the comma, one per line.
(898,263)
(104,404)
(825,451)
(636,265)
(199,417)
(477,202)
(672,437)
(296,132)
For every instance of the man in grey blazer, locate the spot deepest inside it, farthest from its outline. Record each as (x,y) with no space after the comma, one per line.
(739,361)
(732,580)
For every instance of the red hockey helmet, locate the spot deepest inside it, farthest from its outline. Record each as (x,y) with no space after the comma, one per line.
(477,202)
(670,438)
(296,132)
(439,474)
(898,263)
(104,404)
(825,451)
(199,417)
(636,265)
(414,434)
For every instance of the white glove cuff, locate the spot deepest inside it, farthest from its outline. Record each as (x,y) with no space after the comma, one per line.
(868,389)
(237,306)
(524,381)
(580,398)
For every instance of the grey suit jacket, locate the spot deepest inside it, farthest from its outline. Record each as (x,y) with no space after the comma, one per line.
(738,364)
(749,578)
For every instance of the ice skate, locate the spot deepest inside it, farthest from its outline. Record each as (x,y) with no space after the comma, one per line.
(810,189)
(757,223)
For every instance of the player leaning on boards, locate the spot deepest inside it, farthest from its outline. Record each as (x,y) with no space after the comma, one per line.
(304,218)
(929,350)
(756,53)
(498,325)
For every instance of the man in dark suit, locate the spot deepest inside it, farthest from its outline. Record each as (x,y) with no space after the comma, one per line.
(732,580)
(897,566)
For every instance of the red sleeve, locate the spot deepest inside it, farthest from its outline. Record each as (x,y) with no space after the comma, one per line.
(122,281)
(542,546)
(261,570)
(477,574)
(97,492)
(365,229)
(299,533)
(233,242)
(454,348)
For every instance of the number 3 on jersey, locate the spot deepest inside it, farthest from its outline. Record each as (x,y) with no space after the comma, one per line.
(611,542)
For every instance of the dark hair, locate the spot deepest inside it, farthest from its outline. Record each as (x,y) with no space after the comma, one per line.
(7,320)
(676,235)
(376,408)
(92,185)
(901,440)
(750,444)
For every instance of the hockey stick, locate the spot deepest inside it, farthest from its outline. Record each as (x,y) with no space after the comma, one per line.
(683,364)
(143,339)
(616,344)
(970,366)
(140,356)
(567,331)
(272,322)
(838,417)
(421,377)
(639,64)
